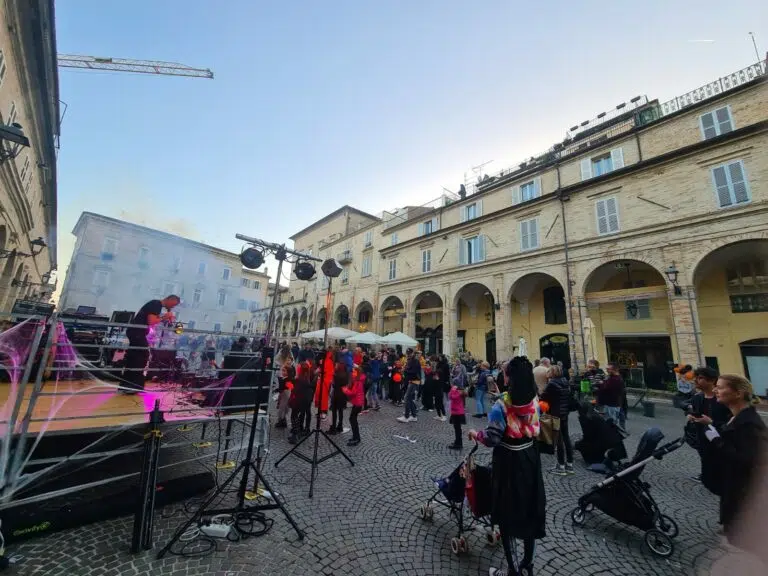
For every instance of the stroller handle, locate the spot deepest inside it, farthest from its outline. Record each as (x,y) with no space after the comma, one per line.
(662,451)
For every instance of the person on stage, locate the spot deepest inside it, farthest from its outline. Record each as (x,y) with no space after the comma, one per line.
(137,355)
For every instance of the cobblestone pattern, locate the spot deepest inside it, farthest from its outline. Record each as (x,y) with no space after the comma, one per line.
(363,520)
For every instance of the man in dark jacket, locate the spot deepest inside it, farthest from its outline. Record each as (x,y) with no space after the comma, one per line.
(558,395)
(703,409)
(412,375)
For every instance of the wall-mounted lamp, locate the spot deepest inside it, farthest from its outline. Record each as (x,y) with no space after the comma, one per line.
(672,273)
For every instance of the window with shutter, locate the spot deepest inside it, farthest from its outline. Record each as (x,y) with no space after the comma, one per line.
(426,261)
(527,191)
(393,239)
(516,195)
(368,238)
(481,248)
(366,267)
(716,122)
(392,269)
(462,251)
(529,234)
(617,159)
(3,67)
(731,186)
(586,169)
(607,211)
(435,224)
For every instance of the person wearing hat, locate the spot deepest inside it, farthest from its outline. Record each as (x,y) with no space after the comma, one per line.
(519,500)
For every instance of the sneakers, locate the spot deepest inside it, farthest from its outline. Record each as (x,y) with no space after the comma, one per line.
(441,418)
(353,442)
(403,419)
(455,446)
(559,471)
(413,419)
(569,468)
(696,478)
(366,411)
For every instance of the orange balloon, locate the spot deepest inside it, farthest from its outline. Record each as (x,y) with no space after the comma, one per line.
(397,377)
(544,406)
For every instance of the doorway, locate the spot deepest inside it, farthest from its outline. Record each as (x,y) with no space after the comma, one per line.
(555,347)
(653,354)
(490,346)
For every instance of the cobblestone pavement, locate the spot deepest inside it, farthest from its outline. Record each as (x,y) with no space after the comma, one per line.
(364,519)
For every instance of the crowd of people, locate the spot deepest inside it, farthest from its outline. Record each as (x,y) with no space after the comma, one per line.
(509,400)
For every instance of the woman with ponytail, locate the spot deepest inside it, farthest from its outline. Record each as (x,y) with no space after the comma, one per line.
(737,451)
(519,500)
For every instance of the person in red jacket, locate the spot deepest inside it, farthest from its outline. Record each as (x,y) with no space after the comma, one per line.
(323,390)
(356,394)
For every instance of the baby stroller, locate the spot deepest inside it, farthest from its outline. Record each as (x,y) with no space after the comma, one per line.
(468,484)
(625,497)
(599,436)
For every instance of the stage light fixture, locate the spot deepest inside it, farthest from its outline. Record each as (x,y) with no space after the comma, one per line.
(304,271)
(331,268)
(252,258)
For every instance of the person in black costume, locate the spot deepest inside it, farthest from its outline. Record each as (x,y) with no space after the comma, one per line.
(137,355)
(519,500)
(737,452)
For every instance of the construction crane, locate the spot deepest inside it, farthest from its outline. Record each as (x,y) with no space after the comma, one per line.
(137,66)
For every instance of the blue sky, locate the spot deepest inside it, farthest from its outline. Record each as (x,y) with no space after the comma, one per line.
(371,103)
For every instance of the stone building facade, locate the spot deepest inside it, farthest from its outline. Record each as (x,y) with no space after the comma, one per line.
(640,239)
(29,103)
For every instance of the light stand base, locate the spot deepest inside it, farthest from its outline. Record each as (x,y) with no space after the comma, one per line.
(315,461)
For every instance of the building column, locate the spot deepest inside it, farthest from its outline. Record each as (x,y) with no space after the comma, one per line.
(380,324)
(409,324)
(685,320)
(449,330)
(577,314)
(503,322)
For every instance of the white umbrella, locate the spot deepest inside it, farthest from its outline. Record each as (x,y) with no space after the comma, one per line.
(334,333)
(398,338)
(365,338)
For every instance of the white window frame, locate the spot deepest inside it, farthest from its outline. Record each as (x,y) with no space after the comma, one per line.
(106,242)
(242,304)
(617,162)
(426,261)
(367,240)
(715,123)
(393,268)
(144,254)
(729,182)
(12,115)
(345,275)
(366,267)
(217,327)
(221,298)
(226,273)
(517,191)
(527,224)
(197,296)
(477,242)
(98,274)
(604,202)
(245,282)
(25,169)
(191,325)
(393,239)
(202,268)
(432,224)
(256,285)
(176,263)
(464,210)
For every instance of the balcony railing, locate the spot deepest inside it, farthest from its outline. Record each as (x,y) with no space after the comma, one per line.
(714,88)
(344,257)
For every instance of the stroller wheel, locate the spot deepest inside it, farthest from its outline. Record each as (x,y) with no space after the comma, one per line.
(668,526)
(426,512)
(578,516)
(455,547)
(659,543)
(463,544)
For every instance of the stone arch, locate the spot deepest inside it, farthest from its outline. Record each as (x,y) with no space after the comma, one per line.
(321,318)
(475,306)
(593,266)
(392,311)
(708,247)
(303,319)
(428,318)
(364,314)
(519,282)
(294,326)
(591,276)
(486,283)
(341,316)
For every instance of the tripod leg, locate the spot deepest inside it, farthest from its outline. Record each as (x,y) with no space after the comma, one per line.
(200,511)
(313,473)
(295,447)
(263,480)
(339,450)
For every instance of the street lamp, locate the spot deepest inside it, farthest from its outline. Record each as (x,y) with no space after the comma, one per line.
(672,273)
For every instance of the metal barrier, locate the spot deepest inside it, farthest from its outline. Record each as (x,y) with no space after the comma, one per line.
(67,375)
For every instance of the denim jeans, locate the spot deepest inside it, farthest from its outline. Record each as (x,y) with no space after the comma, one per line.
(373,394)
(410,400)
(479,401)
(614,413)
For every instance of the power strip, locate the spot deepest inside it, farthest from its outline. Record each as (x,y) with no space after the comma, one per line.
(216,530)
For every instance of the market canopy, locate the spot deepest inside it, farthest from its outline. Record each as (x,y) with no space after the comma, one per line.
(398,338)
(334,333)
(365,338)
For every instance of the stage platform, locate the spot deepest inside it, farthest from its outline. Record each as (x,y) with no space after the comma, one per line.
(83,406)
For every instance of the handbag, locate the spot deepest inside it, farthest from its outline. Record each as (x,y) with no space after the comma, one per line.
(546,438)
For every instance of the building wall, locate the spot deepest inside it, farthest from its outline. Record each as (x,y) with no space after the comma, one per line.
(668,214)
(125,280)
(28,182)
(252,298)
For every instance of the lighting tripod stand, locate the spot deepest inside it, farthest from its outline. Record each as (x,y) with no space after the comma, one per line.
(251,258)
(331,270)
